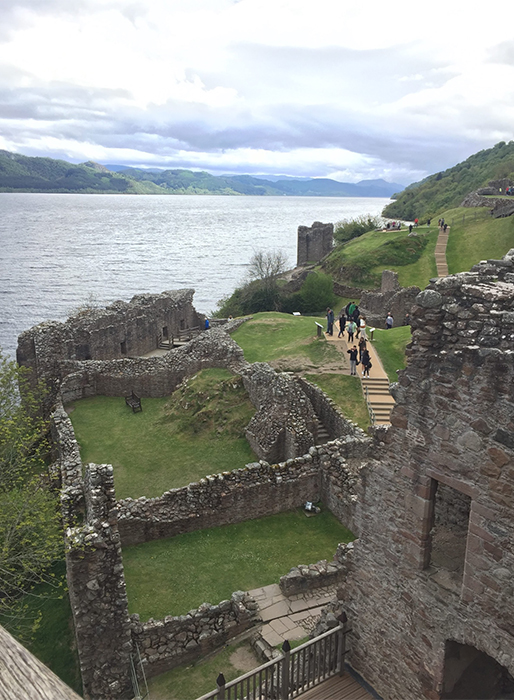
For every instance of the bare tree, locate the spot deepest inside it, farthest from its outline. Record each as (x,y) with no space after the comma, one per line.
(266,266)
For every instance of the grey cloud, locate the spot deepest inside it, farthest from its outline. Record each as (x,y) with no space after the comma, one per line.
(502,53)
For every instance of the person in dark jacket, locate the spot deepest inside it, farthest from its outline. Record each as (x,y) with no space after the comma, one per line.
(366,363)
(330,321)
(353,352)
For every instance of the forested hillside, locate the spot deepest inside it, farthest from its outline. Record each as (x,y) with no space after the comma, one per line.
(446,190)
(25,174)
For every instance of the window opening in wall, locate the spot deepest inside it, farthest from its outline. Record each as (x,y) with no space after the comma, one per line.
(165,332)
(123,347)
(470,674)
(182,324)
(449,535)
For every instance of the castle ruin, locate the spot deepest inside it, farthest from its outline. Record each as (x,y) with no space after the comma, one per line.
(428,582)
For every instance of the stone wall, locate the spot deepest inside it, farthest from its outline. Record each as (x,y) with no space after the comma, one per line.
(314,242)
(452,426)
(175,641)
(303,578)
(398,300)
(122,329)
(97,592)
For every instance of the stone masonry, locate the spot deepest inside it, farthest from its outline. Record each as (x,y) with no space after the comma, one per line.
(314,242)
(421,610)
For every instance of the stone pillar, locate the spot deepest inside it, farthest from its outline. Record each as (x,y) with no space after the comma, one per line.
(97,592)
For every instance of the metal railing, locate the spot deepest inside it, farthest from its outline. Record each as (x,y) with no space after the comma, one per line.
(291,674)
(371,411)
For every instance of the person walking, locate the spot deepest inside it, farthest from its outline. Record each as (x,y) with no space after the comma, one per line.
(353,352)
(362,327)
(362,346)
(350,329)
(330,321)
(366,363)
(342,322)
(389,320)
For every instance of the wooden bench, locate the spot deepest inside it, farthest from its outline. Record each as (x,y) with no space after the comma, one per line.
(134,401)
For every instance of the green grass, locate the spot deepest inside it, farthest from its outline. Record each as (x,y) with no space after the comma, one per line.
(390,346)
(346,391)
(476,239)
(174,441)
(175,575)
(53,642)
(360,262)
(191,682)
(270,336)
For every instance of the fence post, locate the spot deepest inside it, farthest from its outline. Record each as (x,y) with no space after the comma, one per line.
(343,620)
(220,682)
(286,648)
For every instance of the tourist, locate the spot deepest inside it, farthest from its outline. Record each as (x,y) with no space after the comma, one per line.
(207,324)
(350,329)
(366,363)
(389,320)
(362,327)
(349,309)
(330,321)
(353,359)
(341,320)
(407,319)
(362,346)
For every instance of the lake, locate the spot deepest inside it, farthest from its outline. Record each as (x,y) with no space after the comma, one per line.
(59,251)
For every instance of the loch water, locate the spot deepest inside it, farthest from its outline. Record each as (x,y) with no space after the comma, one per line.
(58,252)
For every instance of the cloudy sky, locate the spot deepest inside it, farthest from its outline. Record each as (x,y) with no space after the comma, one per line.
(321,88)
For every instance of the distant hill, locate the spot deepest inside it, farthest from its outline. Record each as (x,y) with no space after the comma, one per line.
(26,174)
(446,190)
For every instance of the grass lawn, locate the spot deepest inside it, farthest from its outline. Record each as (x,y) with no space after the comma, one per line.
(174,441)
(477,237)
(53,642)
(390,346)
(191,682)
(346,391)
(177,574)
(271,335)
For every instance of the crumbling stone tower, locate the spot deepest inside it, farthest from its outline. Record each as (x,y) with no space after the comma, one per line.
(431,594)
(314,242)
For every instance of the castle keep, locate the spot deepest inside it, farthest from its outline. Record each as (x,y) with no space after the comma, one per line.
(428,582)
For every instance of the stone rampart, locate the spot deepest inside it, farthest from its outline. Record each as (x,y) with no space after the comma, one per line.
(173,641)
(304,578)
(328,412)
(398,300)
(448,466)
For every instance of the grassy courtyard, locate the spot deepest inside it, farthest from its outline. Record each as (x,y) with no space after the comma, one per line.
(174,441)
(175,575)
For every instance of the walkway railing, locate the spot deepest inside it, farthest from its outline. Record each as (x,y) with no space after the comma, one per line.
(290,675)
(371,411)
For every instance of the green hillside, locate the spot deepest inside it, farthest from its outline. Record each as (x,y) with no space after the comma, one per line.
(25,174)
(446,190)
(474,236)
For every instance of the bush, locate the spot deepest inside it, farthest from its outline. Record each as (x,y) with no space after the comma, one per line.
(317,292)
(347,229)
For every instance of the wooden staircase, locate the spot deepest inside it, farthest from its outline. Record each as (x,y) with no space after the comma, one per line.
(376,393)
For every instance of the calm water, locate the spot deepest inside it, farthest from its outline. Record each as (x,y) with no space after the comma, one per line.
(60,251)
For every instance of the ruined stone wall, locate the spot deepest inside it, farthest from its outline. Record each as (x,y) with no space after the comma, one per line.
(452,425)
(314,242)
(328,412)
(121,329)
(175,641)
(97,592)
(398,300)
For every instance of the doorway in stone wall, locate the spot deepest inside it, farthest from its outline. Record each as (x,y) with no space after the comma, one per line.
(471,674)
(449,535)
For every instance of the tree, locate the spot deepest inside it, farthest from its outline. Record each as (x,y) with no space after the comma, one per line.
(30,537)
(267,266)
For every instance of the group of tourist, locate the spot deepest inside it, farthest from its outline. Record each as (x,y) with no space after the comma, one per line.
(360,355)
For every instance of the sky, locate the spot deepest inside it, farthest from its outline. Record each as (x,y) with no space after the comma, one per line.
(315,88)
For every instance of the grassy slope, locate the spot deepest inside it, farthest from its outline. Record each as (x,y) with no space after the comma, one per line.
(390,345)
(199,430)
(474,239)
(346,391)
(208,565)
(271,335)
(360,261)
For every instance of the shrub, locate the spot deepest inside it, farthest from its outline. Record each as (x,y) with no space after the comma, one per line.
(347,229)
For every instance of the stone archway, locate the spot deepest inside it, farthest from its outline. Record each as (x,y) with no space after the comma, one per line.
(471,674)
